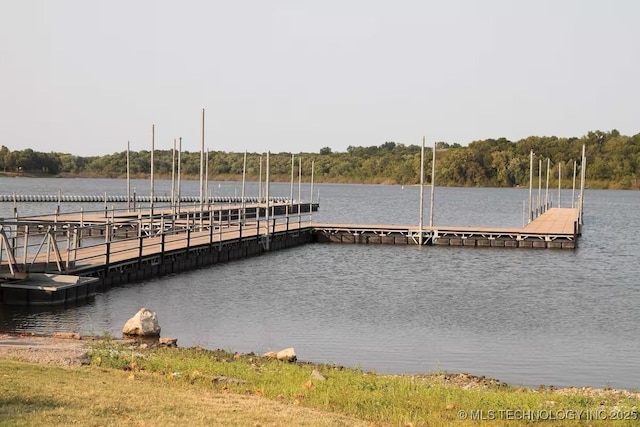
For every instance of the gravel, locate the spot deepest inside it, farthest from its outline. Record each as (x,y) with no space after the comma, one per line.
(66,350)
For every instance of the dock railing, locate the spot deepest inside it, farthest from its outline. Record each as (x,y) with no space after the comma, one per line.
(79,240)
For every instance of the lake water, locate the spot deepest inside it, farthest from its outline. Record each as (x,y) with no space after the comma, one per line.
(523,316)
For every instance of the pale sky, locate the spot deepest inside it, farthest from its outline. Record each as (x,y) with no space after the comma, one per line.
(83,77)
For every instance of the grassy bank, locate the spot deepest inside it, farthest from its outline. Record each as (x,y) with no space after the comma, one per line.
(134,386)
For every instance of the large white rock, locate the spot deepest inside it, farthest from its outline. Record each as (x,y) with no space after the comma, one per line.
(288,355)
(144,323)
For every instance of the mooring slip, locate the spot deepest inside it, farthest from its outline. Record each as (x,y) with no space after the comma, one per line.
(556,228)
(116,249)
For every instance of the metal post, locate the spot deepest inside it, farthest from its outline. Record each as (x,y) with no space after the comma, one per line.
(26,245)
(583,170)
(206,184)
(152,197)
(291,193)
(211,227)
(433,184)
(188,235)
(244,175)
(128,180)
(420,223)
(58,206)
(80,235)
(559,181)
(546,196)
(573,192)
(179,173)
(75,245)
(202,165)
(260,181)
(266,213)
(220,229)
(173,178)
(299,190)
(539,187)
(162,238)
(530,186)
(313,164)
(107,255)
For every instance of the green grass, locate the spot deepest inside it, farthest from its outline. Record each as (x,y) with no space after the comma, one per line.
(393,400)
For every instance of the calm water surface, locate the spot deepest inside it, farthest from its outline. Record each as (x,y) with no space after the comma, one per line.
(524,316)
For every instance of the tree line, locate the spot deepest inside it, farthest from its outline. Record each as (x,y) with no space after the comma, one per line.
(612,162)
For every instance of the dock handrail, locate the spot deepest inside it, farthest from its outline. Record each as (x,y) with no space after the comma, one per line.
(83,240)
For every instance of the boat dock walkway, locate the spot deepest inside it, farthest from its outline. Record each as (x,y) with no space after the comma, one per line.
(124,247)
(556,228)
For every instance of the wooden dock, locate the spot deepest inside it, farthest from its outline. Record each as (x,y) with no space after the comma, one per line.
(169,242)
(556,228)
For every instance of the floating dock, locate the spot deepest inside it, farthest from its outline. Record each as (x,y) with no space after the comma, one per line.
(557,228)
(122,247)
(166,242)
(45,288)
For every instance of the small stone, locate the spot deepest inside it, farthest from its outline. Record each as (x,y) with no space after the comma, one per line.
(168,342)
(67,335)
(227,380)
(317,375)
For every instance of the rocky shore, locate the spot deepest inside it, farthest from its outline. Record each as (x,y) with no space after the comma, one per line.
(69,349)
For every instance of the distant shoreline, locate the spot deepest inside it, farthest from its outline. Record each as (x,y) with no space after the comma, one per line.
(234,178)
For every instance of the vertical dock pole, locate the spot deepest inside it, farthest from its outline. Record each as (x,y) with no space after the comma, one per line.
(201,167)
(206,182)
(128,180)
(299,190)
(266,212)
(531,186)
(313,165)
(583,170)
(573,192)
(243,202)
(559,181)
(260,181)
(291,192)
(179,173)
(173,178)
(151,197)
(59,200)
(433,184)
(539,208)
(420,223)
(546,194)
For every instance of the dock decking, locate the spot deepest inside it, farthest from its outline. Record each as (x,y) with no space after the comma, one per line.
(129,247)
(556,228)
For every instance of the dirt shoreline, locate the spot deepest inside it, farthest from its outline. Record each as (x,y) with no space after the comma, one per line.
(59,349)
